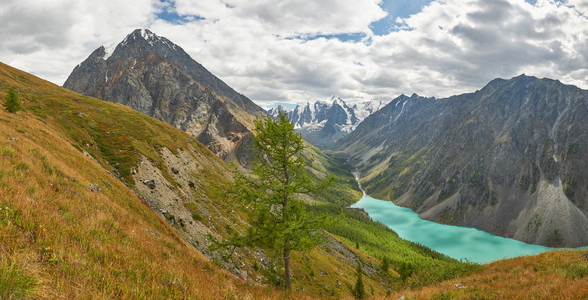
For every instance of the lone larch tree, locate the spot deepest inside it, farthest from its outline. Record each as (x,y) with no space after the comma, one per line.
(278,218)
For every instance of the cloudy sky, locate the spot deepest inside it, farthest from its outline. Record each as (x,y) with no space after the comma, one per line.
(289,51)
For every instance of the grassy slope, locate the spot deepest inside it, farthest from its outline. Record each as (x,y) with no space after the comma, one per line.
(381,242)
(374,238)
(551,275)
(65,240)
(60,239)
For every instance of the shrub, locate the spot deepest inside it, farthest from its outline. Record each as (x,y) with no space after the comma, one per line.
(385,264)
(12,104)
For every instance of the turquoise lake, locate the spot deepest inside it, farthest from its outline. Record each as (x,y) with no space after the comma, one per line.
(454,241)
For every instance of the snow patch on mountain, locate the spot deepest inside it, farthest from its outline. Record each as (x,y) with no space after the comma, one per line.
(149,37)
(108,50)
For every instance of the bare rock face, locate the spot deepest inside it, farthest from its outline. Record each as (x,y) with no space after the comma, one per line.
(511,159)
(156,77)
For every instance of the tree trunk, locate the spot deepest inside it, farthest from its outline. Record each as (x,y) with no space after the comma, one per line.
(287,269)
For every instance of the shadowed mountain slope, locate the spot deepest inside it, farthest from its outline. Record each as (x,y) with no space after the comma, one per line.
(511,159)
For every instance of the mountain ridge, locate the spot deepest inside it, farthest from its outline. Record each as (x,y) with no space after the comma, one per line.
(489,159)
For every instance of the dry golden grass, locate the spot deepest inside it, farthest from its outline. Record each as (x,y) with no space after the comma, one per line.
(73,243)
(59,239)
(552,275)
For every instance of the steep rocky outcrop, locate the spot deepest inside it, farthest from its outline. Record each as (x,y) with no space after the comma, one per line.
(322,123)
(511,159)
(156,77)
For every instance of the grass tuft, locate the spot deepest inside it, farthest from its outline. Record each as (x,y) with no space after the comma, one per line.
(16,281)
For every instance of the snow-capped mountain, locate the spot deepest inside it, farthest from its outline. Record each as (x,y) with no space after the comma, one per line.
(322,123)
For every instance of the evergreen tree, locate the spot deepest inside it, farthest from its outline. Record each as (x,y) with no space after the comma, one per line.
(405,271)
(12,104)
(385,264)
(278,218)
(358,289)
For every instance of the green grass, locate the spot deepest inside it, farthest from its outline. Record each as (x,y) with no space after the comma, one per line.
(577,271)
(381,242)
(194,210)
(16,282)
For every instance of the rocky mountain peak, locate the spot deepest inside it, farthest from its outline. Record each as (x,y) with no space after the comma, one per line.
(143,36)
(156,77)
(146,34)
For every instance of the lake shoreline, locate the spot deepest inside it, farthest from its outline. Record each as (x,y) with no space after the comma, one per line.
(458,242)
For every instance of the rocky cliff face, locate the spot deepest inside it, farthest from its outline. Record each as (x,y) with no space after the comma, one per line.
(511,159)
(322,123)
(156,77)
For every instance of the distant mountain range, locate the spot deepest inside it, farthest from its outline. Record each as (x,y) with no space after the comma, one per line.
(157,77)
(511,159)
(324,122)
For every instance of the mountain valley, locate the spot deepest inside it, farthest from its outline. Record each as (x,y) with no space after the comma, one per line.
(99,196)
(115,185)
(509,159)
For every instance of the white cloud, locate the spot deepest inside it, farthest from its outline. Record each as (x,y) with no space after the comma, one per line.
(290,17)
(457,46)
(449,47)
(580,5)
(312,17)
(49,38)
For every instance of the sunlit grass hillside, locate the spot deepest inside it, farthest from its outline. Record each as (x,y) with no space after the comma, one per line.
(73,226)
(62,238)
(551,275)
